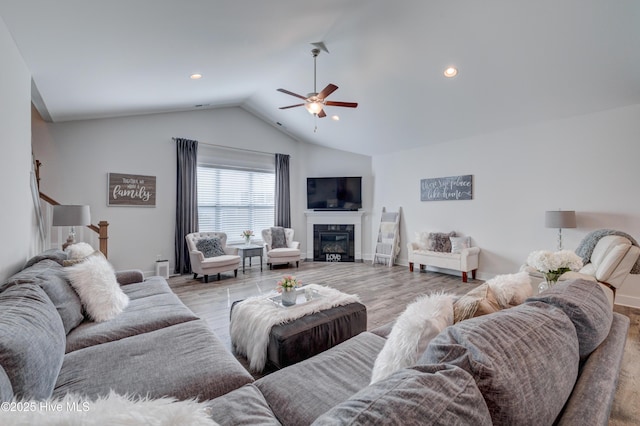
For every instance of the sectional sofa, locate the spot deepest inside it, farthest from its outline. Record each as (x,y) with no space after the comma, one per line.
(156,347)
(554,359)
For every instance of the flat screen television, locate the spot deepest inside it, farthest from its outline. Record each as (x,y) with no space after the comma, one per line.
(334,193)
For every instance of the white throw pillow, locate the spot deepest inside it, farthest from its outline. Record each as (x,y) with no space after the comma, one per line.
(78,250)
(422,240)
(459,243)
(511,289)
(94,280)
(421,321)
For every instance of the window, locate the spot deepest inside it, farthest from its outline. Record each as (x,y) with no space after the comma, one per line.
(232,200)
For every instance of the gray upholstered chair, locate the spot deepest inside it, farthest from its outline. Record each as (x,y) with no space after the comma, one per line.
(209,263)
(278,251)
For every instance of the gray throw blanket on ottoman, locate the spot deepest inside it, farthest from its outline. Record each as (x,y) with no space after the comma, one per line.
(588,243)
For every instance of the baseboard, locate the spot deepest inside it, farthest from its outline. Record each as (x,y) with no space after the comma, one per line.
(630,301)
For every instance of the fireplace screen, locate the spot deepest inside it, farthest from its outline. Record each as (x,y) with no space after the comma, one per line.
(333,243)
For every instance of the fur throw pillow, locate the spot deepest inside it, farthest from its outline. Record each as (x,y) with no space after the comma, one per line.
(95,282)
(500,292)
(421,321)
(78,250)
(440,242)
(210,247)
(112,409)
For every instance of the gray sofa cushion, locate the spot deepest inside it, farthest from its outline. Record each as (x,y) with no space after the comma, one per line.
(183,361)
(244,406)
(524,360)
(53,254)
(297,397)
(585,303)
(427,394)
(6,390)
(140,316)
(149,287)
(49,275)
(31,341)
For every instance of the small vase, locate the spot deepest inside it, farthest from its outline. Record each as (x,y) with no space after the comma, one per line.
(289,297)
(545,285)
(247,240)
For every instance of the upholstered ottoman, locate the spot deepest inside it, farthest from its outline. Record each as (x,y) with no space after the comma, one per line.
(311,334)
(308,336)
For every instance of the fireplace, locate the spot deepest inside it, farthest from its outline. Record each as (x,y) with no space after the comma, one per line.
(333,243)
(331,219)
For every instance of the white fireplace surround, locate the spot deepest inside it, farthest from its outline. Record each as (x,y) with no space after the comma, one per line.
(335,218)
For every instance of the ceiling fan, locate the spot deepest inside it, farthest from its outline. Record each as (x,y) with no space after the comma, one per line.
(314,102)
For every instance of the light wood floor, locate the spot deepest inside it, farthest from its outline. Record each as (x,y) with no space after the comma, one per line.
(386,292)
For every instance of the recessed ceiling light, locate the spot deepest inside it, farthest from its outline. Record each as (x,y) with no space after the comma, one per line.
(451,72)
(195,76)
(335,118)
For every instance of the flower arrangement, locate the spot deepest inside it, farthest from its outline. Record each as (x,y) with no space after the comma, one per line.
(247,233)
(287,283)
(553,264)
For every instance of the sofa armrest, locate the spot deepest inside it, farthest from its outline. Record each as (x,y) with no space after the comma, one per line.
(471,251)
(198,255)
(129,276)
(602,367)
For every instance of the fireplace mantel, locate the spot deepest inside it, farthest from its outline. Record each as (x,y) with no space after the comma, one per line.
(335,218)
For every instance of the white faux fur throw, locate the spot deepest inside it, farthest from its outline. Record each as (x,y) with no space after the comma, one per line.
(252,319)
(114,409)
(421,321)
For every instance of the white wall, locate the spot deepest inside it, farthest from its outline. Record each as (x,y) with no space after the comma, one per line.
(78,155)
(588,164)
(20,239)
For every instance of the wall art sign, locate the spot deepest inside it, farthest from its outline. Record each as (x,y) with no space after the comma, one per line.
(447,188)
(131,190)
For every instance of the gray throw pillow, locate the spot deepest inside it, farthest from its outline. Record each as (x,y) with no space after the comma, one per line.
(584,302)
(210,247)
(49,275)
(524,360)
(424,394)
(32,341)
(440,242)
(278,239)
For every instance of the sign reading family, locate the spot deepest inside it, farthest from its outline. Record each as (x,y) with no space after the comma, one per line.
(446,188)
(131,190)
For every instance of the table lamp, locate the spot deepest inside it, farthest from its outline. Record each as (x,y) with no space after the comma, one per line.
(560,219)
(72,216)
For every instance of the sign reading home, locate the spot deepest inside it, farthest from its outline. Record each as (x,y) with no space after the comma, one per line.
(131,190)
(446,188)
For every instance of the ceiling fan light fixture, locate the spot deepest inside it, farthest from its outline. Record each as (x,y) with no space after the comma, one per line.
(313,107)
(450,72)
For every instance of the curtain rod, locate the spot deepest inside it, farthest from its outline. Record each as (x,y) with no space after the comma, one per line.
(234,149)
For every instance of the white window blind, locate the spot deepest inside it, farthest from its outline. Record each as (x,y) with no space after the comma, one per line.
(233,200)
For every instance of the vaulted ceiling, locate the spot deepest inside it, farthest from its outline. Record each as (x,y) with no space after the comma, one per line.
(519,62)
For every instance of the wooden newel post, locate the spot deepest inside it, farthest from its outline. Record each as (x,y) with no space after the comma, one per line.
(103,236)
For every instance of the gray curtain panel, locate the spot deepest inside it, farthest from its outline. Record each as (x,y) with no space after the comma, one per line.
(283,202)
(186,200)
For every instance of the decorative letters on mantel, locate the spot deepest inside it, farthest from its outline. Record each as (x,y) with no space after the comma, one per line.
(447,188)
(131,190)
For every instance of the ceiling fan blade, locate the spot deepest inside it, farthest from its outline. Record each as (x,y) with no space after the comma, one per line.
(291,106)
(327,91)
(342,104)
(322,114)
(292,94)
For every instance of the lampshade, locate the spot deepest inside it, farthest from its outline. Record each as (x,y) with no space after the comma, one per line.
(71,215)
(561,219)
